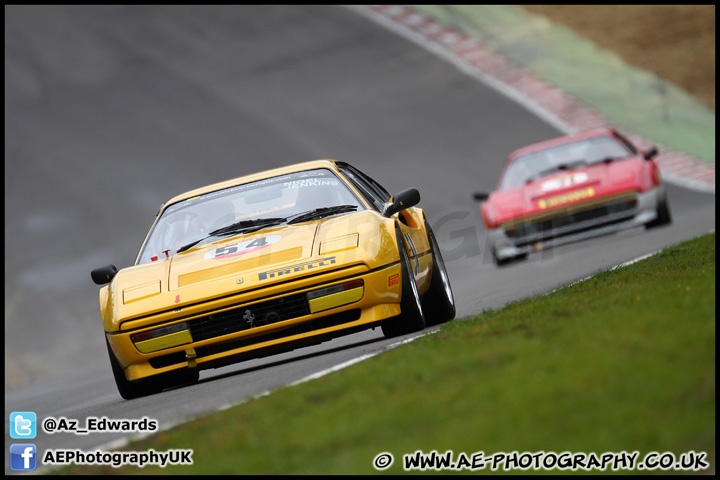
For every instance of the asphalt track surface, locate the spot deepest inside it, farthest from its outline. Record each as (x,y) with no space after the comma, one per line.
(110,111)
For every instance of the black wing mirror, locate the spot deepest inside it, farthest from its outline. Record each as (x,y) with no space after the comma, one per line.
(652,152)
(103,275)
(405,199)
(481,196)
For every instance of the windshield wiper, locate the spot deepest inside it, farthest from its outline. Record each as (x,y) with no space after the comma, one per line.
(243,226)
(608,160)
(247,226)
(562,166)
(320,213)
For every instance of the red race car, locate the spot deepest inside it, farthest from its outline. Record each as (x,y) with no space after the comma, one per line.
(571,188)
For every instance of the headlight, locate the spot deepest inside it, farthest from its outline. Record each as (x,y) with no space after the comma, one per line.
(161,338)
(335,296)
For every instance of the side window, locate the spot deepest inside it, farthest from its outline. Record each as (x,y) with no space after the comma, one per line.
(370,189)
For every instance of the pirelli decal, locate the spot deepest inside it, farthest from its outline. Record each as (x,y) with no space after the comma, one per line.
(551,202)
(298,267)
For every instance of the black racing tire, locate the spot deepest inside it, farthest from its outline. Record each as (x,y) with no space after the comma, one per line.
(411,318)
(130,389)
(504,262)
(663,215)
(439,302)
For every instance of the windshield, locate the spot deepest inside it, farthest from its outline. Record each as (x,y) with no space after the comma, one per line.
(570,155)
(273,198)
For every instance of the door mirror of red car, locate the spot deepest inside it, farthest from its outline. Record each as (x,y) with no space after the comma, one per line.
(405,199)
(652,152)
(481,196)
(103,275)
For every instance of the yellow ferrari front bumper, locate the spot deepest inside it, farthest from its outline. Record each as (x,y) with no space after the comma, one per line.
(250,325)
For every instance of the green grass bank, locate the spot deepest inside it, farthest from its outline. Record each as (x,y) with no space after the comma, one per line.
(623,361)
(627,96)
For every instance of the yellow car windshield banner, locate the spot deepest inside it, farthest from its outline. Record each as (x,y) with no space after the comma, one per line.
(566,198)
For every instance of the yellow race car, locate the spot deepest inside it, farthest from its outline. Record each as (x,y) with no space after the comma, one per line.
(267,263)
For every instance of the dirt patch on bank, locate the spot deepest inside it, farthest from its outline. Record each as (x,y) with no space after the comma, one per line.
(675,42)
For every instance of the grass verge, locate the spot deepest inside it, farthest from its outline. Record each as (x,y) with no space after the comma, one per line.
(624,361)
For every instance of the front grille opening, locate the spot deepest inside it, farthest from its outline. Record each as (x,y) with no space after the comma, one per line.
(305,327)
(250,316)
(615,212)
